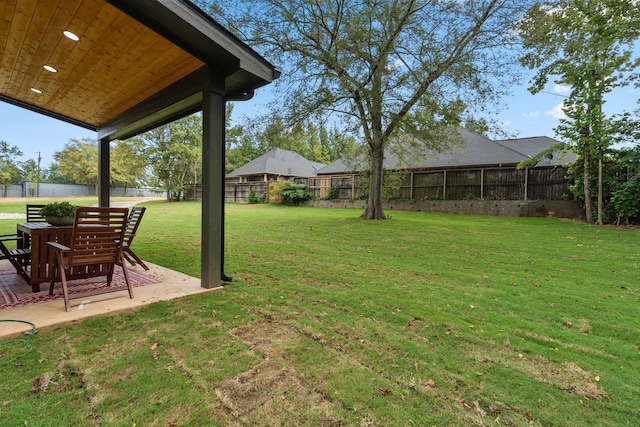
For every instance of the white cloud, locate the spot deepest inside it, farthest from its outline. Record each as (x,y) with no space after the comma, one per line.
(531,115)
(556,112)
(562,89)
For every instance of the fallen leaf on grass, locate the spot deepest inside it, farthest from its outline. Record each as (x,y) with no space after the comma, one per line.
(448,332)
(430,383)
(154,346)
(465,405)
(383,390)
(494,409)
(537,285)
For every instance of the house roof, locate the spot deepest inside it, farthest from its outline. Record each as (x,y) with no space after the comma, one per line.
(278,162)
(474,150)
(137,64)
(533,146)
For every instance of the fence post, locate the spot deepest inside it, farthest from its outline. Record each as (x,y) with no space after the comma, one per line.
(411,188)
(353,186)
(526,182)
(444,185)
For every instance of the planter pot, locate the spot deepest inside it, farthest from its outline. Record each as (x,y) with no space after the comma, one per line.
(59,220)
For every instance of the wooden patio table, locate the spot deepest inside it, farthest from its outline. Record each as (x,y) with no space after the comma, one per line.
(42,255)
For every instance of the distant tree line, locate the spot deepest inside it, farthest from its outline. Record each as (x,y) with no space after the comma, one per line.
(169,157)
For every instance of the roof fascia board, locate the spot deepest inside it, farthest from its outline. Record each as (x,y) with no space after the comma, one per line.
(47,113)
(249,59)
(178,100)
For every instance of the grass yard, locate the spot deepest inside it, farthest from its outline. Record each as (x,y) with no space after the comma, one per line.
(423,319)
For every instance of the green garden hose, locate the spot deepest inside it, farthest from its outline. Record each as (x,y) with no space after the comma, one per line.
(26,341)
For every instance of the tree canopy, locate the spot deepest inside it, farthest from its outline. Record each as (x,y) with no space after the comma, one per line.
(588,46)
(312,141)
(11,170)
(78,161)
(384,67)
(174,153)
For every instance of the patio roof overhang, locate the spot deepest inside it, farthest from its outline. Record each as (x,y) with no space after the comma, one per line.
(137,65)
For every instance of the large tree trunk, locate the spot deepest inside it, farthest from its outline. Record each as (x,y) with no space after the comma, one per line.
(588,207)
(600,201)
(167,187)
(373,210)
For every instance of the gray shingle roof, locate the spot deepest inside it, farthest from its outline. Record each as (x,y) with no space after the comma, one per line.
(474,151)
(533,146)
(278,162)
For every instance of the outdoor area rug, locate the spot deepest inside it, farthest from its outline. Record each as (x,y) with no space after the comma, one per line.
(14,291)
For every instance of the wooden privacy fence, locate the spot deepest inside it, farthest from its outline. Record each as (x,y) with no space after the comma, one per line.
(239,191)
(509,183)
(542,183)
(233,191)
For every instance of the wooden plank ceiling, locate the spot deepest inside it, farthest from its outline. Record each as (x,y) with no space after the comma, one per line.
(116,64)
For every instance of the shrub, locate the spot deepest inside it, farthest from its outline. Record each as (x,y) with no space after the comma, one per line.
(334,194)
(626,200)
(292,193)
(253,199)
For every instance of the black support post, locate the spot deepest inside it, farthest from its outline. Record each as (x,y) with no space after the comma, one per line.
(104,164)
(213,151)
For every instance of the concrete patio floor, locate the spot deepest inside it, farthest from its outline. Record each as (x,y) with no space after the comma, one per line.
(172,285)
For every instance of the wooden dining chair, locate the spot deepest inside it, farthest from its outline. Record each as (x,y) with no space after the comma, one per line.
(95,249)
(33,213)
(135,216)
(18,257)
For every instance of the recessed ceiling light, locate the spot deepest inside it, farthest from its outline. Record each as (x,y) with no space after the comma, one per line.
(71,36)
(50,68)
(33,89)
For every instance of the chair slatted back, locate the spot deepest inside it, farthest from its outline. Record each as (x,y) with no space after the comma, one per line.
(135,216)
(97,236)
(33,213)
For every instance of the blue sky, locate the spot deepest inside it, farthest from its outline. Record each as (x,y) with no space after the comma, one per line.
(525,115)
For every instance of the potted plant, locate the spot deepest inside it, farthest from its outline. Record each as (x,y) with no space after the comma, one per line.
(59,213)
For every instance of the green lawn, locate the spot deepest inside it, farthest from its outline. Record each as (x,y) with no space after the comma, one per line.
(423,319)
